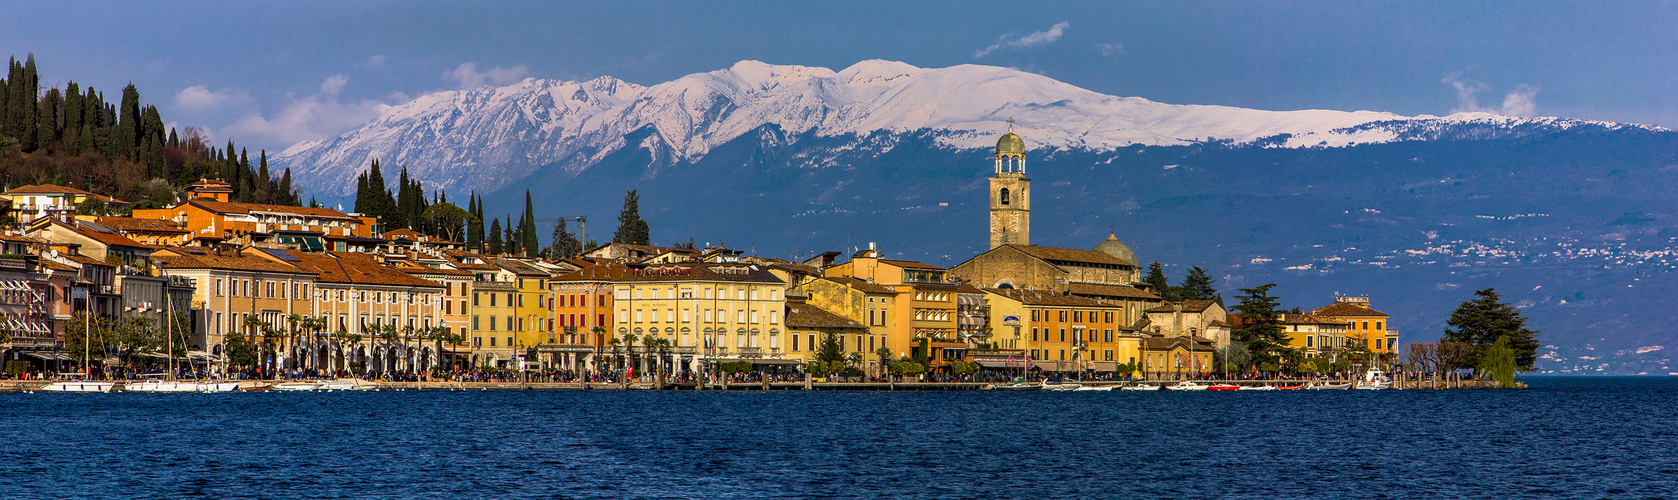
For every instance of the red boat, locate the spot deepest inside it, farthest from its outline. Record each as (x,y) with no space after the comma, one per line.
(1224,387)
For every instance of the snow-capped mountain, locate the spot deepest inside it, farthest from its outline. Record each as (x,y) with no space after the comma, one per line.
(485,138)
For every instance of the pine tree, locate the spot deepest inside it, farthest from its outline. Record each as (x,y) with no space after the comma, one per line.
(493,246)
(1482,321)
(1261,333)
(1198,285)
(1156,278)
(631,229)
(565,244)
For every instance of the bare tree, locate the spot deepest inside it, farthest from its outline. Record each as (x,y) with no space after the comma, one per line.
(1452,357)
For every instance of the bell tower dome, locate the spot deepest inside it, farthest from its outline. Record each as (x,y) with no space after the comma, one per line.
(1010,194)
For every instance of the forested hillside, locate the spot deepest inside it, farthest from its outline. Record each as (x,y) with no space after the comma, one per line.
(74,137)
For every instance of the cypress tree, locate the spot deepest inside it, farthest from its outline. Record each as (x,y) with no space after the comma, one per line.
(6,98)
(475,227)
(264,185)
(286,195)
(493,246)
(128,125)
(631,229)
(532,241)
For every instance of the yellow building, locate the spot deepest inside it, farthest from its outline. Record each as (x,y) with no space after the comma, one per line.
(359,295)
(710,313)
(1062,332)
(1367,326)
(233,285)
(1314,335)
(868,304)
(456,310)
(1167,358)
(925,304)
(808,326)
(531,314)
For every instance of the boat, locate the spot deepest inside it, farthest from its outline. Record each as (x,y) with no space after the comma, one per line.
(1290,387)
(1224,387)
(298,386)
(1186,385)
(79,386)
(1102,388)
(1326,386)
(1019,385)
(161,385)
(346,385)
(1140,387)
(1062,387)
(1375,379)
(217,386)
(1257,388)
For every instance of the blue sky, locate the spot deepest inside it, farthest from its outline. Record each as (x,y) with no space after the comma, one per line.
(273,74)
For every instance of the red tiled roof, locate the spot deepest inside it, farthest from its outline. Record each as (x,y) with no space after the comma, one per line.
(354,268)
(223,207)
(1347,309)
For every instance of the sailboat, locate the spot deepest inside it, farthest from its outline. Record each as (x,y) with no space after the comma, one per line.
(82,384)
(169,383)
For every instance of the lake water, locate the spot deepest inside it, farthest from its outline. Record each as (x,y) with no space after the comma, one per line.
(1566,437)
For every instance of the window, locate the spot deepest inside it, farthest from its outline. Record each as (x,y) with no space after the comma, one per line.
(707,294)
(1377,344)
(1378,325)
(492,341)
(1033,334)
(772,318)
(1077,316)
(1034,315)
(1366,325)
(1002,196)
(492,327)
(1109,320)
(1310,342)
(637,315)
(1063,316)
(686,317)
(218,287)
(670,315)
(795,343)
(1063,335)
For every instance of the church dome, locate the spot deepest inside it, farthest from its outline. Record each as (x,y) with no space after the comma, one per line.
(1010,145)
(1118,249)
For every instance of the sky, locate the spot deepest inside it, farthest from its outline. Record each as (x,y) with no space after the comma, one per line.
(272,74)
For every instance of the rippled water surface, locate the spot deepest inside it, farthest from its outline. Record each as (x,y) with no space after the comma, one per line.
(1567,437)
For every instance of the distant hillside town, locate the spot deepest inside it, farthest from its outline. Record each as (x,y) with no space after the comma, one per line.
(274,288)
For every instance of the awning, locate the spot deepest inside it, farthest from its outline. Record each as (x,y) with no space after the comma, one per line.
(46,355)
(1056,366)
(1000,362)
(757,361)
(1104,366)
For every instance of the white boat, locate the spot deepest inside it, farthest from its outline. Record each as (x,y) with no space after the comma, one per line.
(79,386)
(1325,386)
(1374,380)
(298,386)
(1256,388)
(1062,387)
(1101,388)
(160,385)
(1186,385)
(346,385)
(1018,385)
(1140,387)
(217,386)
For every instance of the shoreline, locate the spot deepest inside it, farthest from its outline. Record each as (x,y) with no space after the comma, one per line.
(261,385)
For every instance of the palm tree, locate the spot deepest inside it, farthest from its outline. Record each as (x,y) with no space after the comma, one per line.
(629,346)
(293,321)
(442,334)
(662,347)
(614,343)
(388,334)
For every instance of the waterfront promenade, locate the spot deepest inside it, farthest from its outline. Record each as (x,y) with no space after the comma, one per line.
(36,385)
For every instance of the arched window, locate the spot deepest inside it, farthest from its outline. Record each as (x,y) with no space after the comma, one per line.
(1003,196)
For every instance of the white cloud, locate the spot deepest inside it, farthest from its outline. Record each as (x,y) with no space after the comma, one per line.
(467,76)
(200,98)
(1030,40)
(375,61)
(1110,49)
(317,116)
(1521,102)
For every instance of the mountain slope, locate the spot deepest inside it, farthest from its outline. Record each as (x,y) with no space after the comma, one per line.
(486,138)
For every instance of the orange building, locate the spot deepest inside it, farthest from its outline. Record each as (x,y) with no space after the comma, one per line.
(207,215)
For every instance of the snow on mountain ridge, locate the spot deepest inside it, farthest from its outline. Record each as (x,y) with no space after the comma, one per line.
(487,137)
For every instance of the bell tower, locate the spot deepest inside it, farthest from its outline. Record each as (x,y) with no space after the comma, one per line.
(1010,194)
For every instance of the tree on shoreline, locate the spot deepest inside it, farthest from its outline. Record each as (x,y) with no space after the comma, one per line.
(1261,333)
(1482,321)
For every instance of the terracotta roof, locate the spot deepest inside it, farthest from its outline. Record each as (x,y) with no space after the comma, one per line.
(427,271)
(702,271)
(130,224)
(46,189)
(1309,319)
(966,288)
(861,285)
(354,268)
(1347,309)
(112,239)
(521,268)
(1188,306)
(1043,298)
(809,316)
(223,207)
(85,260)
(460,259)
(1111,291)
(605,271)
(910,264)
(194,258)
(1070,255)
(22,239)
(403,232)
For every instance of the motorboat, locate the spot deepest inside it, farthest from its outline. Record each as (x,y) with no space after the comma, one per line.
(1224,387)
(1102,388)
(1290,387)
(1257,388)
(217,386)
(346,385)
(298,386)
(1187,385)
(1140,387)
(79,386)
(161,385)
(1019,385)
(1375,379)
(1062,387)
(1327,386)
